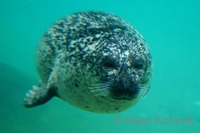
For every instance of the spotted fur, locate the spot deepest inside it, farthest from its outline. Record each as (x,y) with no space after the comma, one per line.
(71,62)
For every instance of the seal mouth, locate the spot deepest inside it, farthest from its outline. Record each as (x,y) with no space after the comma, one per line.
(124,89)
(118,90)
(124,93)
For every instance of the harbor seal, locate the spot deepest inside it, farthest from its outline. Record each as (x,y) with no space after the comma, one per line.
(93,60)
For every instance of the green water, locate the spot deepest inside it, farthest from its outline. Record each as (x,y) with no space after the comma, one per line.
(172,30)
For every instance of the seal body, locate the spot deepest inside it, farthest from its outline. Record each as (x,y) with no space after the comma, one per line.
(93,60)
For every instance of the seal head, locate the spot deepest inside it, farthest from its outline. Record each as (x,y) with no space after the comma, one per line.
(93,60)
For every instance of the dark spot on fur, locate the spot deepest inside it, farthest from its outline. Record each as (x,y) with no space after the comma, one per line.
(116,108)
(87,107)
(76,85)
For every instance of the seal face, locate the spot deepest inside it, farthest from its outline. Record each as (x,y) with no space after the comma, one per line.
(93,60)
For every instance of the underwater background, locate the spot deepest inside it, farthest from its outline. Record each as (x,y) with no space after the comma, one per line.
(172,30)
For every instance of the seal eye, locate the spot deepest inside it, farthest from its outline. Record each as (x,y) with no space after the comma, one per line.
(138,63)
(109,63)
(138,66)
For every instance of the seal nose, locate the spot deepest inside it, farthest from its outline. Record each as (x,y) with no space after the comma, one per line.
(124,89)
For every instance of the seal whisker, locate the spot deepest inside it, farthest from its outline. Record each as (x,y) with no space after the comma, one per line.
(143,92)
(100,89)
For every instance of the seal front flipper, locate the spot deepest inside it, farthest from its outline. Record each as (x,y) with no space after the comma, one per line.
(39,95)
(43,92)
